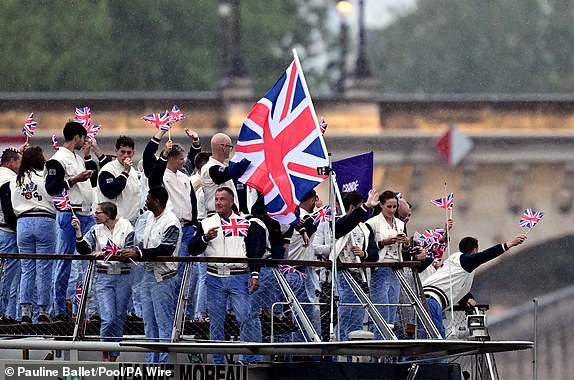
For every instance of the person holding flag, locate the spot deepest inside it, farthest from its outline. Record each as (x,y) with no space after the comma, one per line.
(457,273)
(227,234)
(67,171)
(36,233)
(9,167)
(355,243)
(112,281)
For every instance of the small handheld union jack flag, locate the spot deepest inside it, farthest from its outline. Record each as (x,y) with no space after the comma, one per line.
(430,237)
(444,202)
(399,194)
(78,293)
(234,227)
(176,114)
(62,201)
(322,215)
(92,130)
(436,251)
(82,116)
(109,250)
(323,125)
(55,143)
(530,218)
(160,120)
(29,126)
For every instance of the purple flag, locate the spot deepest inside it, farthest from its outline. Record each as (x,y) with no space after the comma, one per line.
(355,173)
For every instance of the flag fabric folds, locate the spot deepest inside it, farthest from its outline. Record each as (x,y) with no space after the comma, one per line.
(92,130)
(82,116)
(282,141)
(29,126)
(160,120)
(444,202)
(234,226)
(355,174)
(78,293)
(109,250)
(432,241)
(323,125)
(55,144)
(62,202)
(431,236)
(322,215)
(176,114)
(530,218)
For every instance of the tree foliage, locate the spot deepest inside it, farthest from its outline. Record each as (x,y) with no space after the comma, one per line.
(490,46)
(141,45)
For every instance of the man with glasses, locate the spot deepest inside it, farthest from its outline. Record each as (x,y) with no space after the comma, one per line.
(215,173)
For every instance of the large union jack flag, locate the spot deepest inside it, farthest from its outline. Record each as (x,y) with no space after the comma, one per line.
(444,202)
(160,120)
(29,126)
(234,227)
(530,218)
(62,201)
(281,138)
(83,117)
(109,250)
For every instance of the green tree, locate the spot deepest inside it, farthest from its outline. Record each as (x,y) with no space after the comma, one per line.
(144,45)
(466,46)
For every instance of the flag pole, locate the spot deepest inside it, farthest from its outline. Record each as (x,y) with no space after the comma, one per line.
(306,89)
(451,306)
(333,254)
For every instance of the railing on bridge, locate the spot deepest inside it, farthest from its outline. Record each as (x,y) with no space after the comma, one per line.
(286,311)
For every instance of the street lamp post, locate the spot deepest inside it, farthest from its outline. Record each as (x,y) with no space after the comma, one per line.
(344,7)
(362,85)
(234,82)
(237,66)
(224,11)
(362,66)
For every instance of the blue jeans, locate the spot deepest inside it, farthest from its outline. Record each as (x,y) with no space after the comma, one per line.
(186,235)
(350,317)
(234,289)
(197,304)
(136,280)
(297,283)
(385,289)
(436,315)
(268,293)
(66,244)
(114,292)
(158,302)
(36,235)
(11,274)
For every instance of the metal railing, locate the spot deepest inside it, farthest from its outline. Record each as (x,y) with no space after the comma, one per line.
(289,304)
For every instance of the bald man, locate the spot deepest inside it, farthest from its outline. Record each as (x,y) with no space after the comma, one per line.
(404,210)
(215,173)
